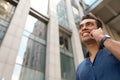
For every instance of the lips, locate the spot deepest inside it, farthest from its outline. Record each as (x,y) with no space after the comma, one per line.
(85,34)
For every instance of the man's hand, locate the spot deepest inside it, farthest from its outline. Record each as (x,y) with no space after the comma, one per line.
(97,34)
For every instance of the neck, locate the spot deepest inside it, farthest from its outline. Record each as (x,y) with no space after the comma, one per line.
(92,47)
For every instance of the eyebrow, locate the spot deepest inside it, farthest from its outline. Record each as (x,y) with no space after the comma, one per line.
(85,23)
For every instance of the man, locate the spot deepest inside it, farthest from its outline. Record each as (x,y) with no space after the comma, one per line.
(103,58)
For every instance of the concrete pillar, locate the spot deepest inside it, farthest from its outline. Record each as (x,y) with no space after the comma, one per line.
(10,45)
(53,71)
(76,45)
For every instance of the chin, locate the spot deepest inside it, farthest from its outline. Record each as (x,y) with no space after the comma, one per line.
(85,39)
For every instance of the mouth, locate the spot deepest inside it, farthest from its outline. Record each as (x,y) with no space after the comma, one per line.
(85,34)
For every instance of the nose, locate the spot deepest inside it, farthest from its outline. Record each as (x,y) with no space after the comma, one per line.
(83,27)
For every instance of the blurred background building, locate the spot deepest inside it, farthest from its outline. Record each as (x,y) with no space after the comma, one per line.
(39,39)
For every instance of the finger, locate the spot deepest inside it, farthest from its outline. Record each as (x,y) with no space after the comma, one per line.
(100,30)
(91,35)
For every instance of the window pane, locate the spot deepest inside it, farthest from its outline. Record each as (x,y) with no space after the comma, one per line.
(16,72)
(6,13)
(24,73)
(2,32)
(67,68)
(40,6)
(31,54)
(66,56)
(62,14)
(31,57)
(76,16)
(36,27)
(65,42)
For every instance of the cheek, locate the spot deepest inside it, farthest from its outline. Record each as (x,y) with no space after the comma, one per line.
(80,33)
(93,28)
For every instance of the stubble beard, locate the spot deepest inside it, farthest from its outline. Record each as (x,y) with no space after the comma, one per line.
(87,40)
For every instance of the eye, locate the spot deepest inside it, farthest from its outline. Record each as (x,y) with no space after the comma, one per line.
(80,26)
(89,24)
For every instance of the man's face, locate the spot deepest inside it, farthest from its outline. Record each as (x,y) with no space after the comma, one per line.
(85,28)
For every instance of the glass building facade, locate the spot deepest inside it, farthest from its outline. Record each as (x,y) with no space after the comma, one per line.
(37,41)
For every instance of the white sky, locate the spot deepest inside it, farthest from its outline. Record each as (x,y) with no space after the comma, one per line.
(30,23)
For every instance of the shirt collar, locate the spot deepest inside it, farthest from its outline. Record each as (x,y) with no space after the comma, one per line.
(87,53)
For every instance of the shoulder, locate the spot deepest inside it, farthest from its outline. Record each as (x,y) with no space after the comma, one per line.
(108,56)
(82,64)
(105,51)
(82,67)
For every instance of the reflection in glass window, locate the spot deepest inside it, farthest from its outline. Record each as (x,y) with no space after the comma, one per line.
(65,42)
(16,72)
(67,62)
(36,27)
(22,50)
(40,6)
(76,16)
(67,68)
(62,14)
(6,13)
(31,57)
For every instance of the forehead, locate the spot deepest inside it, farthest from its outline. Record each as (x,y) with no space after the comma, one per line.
(86,20)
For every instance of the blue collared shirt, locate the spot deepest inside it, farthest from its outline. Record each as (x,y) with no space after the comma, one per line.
(104,67)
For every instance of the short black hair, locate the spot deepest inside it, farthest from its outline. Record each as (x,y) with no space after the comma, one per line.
(89,16)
